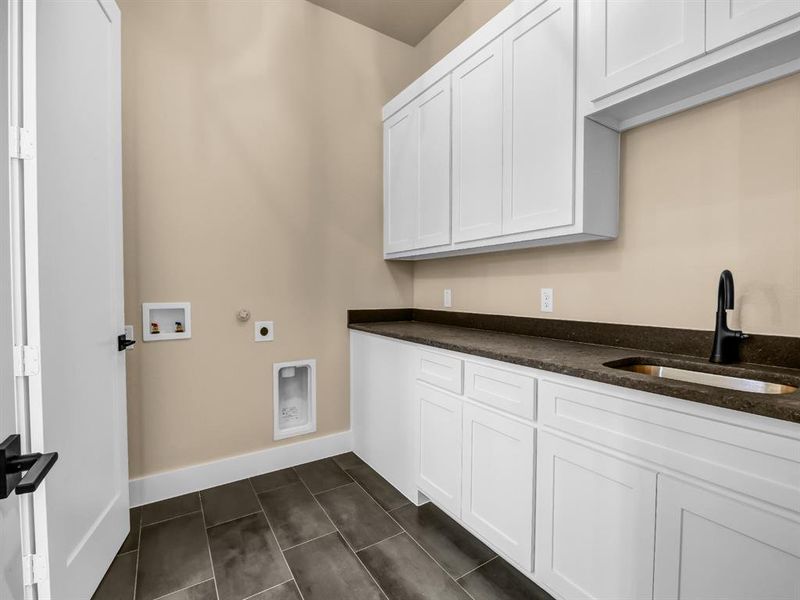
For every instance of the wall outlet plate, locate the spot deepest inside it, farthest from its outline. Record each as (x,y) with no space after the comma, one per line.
(264,331)
(448,298)
(547,300)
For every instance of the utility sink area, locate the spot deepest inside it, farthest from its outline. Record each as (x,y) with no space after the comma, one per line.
(713,379)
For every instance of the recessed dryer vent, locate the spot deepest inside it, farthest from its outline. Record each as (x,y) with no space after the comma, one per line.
(294,398)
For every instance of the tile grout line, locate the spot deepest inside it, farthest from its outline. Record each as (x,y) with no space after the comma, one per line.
(269,588)
(358,558)
(208,545)
(338,487)
(311,540)
(170,518)
(483,564)
(413,539)
(138,553)
(401,532)
(275,537)
(188,587)
(232,520)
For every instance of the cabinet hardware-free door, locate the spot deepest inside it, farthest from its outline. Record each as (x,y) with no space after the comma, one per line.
(440,448)
(401,180)
(730,20)
(595,522)
(478,145)
(539,121)
(709,545)
(631,41)
(497,496)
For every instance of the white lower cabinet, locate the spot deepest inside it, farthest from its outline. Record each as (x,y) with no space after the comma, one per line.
(440,447)
(595,522)
(497,492)
(709,545)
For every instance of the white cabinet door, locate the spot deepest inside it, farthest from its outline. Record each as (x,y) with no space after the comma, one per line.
(433,121)
(400,180)
(633,40)
(497,496)
(595,522)
(539,104)
(478,145)
(440,448)
(711,546)
(730,20)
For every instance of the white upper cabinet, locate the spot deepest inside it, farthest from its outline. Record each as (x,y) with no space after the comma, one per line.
(709,545)
(730,20)
(417,172)
(632,40)
(517,150)
(478,145)
(539,120)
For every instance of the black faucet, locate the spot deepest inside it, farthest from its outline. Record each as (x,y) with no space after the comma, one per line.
(726,340)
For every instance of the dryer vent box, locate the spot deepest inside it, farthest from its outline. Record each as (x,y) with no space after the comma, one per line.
(294,398)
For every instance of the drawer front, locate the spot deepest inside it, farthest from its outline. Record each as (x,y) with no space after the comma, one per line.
(441,370)
(505,390)
(732,455)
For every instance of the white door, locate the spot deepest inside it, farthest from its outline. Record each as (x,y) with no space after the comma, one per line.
(632,40)
(730,20)
(11,586)
(78,400)
(440,448)
(400,180)
(478,145)
(497,492)
(539,104)
(595,524)
(433,121)
(709,545)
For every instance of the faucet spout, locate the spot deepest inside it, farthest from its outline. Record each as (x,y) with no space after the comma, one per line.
(726,340)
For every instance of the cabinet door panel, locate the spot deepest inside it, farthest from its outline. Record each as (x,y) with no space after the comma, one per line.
(434,166)
(401,180)
(709,545)
(595,522)
(440,448)
(730,20)
(498,481)
(478,145)
(631,41)
(539,98)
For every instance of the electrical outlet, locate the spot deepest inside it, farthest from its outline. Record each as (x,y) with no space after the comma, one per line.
(264,331)
(448,298)
(547,300)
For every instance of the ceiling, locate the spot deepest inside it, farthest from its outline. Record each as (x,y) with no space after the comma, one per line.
(406,20)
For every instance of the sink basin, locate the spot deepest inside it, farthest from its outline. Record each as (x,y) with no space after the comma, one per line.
(720,381)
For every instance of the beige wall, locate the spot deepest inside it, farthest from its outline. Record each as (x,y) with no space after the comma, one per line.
(715,187)
(252,178)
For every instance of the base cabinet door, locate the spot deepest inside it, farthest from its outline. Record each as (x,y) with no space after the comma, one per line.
(595,522)
(709,545)
(497,496)
(730,20)
(440,447)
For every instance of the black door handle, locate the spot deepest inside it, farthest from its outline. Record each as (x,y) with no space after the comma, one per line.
(12,465)
(123,342)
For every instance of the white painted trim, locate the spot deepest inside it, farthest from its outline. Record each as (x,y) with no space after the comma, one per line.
(199,477)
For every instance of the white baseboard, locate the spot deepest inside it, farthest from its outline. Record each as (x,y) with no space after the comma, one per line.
(199,477)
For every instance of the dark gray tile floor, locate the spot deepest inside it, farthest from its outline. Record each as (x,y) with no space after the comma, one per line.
(329,530)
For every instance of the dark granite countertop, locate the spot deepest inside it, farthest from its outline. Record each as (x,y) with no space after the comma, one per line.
(588,360)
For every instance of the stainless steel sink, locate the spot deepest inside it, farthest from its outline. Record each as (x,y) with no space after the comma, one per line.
(721,381)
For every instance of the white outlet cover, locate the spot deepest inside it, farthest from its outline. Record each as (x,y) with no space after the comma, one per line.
(270,335)
(547,300)
(448,298)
